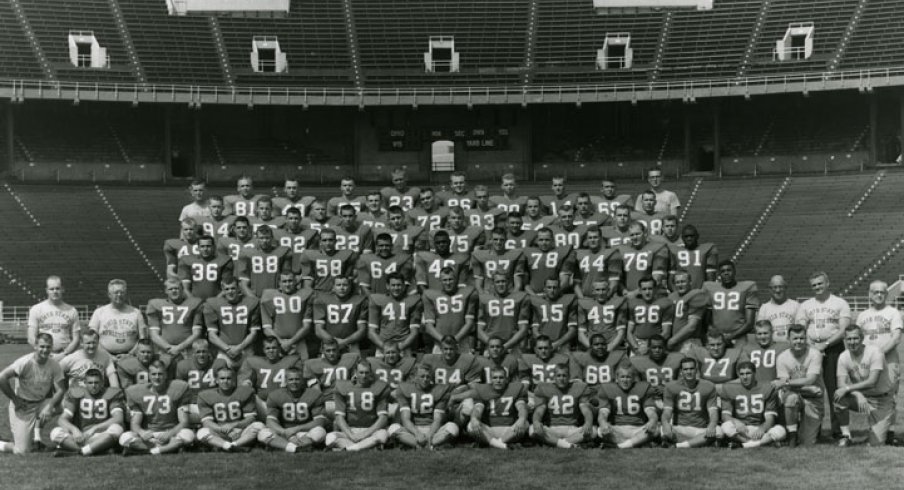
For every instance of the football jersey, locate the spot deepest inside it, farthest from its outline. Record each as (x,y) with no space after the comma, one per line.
(485,219)
(291,410)
(335,203)
(262,268)
(238,205)
(627,407)
(521,241)
(286,313)
(655,373)
(394,319)
(538,223)
(878,328)
(429,265)
(692,304)
(606,319)
(563,407)
(175,322)
(325,374)
(160,410)
(553,318)
(409,240)
(607,206)
(550,264)
(217,228)
(176,248)
(764,358)
(205,275)
(429,220)
(422,404)
(485,263)
(466,369)
(629,265)
(76,364)
(450,199)
(500,408)
(788,366)
(373,269)
(781,316)
(232,322)
(131,371)
(615,237)
(696,262)
(61,322)
(198,377)
(377,221)
(729,305)
(449,312)
(650,318)
(503,316)
(406,199)
(86,410)
(233,246)
(573,237)
(319,224)
(275,222)
(509,364)
(592,219)
(858,368)
(282,204)
(392,374)
(466,240)
(690,405)
(265,376)
(299,241)
(591,267)
(359,240)
(652,222)
(750,405)
(361,406)
(509,204)
(595,371)
(225,408)
(554,203)
(537,371)
(719,370)
(340,317)
(321,267)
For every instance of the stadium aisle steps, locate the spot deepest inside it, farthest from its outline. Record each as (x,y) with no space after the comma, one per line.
(877,41)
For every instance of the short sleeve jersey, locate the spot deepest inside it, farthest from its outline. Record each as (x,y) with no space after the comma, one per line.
(160,410)
(691,405)
(719,370)
(591,268)
(788,366)
(373,269)
(650,318)
(264,376)
(879,327)
(394,319)
(232,322)
(765,359)
(321,268)
(563,406)
(500,408)
(118,329)
(175,322)
(538,371)
(423,404)
(86,410)
(503,315)
(61,322)
(554,318)
(286,313)
(693,304)
(627,407)
(466,369)
(629,264)
(449,312)
(362,405)
(509,364)
(340,317)
(595,371)
(198,377)
(750,405)
(729,305)
(225,408)
(486,263)
(858,368)
(655,373)
(696,262)
(291,410)
(262,268)
(822,318)
(35,381)
(606,318)
(325,374)
(393,374)
(550,264)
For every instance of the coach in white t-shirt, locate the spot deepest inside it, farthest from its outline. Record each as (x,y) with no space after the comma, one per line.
(780,311)
(119,324)
(53,316)
(666,201)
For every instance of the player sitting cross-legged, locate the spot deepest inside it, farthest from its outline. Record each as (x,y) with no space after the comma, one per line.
(159,420)
(295,419)
(423,412)
(750,410)
(627,413)
(227,414)
(92,418)
(361,412)
(563,417)
(499,416)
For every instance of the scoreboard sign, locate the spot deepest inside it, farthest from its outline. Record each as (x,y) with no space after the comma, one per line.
(407,139)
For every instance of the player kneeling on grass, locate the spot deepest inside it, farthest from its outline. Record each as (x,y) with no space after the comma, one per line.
(627,414)
(423,412)
(499,416)
(565,406)
(227,414)
(361,412)
(158,418)
(749,410)
(690,416)
(295,418)
(92,418)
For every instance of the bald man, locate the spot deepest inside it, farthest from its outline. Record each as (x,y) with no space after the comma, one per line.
(780,310)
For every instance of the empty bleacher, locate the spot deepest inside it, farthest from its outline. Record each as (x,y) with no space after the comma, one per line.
(877,41)
(17,60)
(56,133)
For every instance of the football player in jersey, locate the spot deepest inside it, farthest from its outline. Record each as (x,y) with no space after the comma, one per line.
(518,237)
(458,195)
(201,274)
(158,422)
(395,317)
(504,313)
(292,199)
(233,321)
(630,262)
(392,368)
(765,351)
(428,214)
(351,234)
(481,213)
(464,237)
(374,214)
(374,269)
(258,267)
(341,315)
(424,412)
(690,415)
(609,199)
(627,414)
(317,218)
(406,237)
(562,417)
(799,371)
(585,215)
(347,197)
(400,194)
(780,311)
(604,313)
(597,365)
(699,260)
(647,214)
(559,198)
(267,373)
(92,418)
(533,217)
(733,303)
(487,262)
(689,312)
(565,232)
(361,412)
(287,316)
(186,244)
(618,233)
(450,311)
(555,315)
(500,411)
(325,371)
(452,366)
(175,322)
(200,372)
(648,316)
(53,316)
(264,215)
(320,268)
(750,410)
(659,366)
(295,237)
(240,238)
(295,419)
(497,357)
(133,369)
(671,236)
(509,201)
(539,366)
(666,200)
(243,203)
(227,414)
(427,264)
(218,224)
(718,363)
(88,356)
(591,263)
(548,260)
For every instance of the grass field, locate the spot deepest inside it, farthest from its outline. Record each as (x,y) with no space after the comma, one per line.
(823,466)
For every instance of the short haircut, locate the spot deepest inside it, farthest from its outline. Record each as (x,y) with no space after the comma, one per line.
(763,324)
(688,360)
(116,282)
(448,341)
(330,342)
(45,337)
(384,237)
(94,373)
(797,329)
(542,338)
(209,238)
(745,365)
(597,336)
(90,333)
(723,263)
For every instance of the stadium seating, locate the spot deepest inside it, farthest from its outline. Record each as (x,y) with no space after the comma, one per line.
(877,39)
(61,134)
(17,60)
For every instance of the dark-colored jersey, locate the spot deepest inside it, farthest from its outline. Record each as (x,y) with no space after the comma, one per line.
(197,377)
(325,374)
(361,405)
(500,408)
(359,240)
(595,371)
(291,410)
(233,246)
(131,371)
(340,317)
(486,263)
(275,222)
(652,222)
(550,264)
(450,199)
(85,410)
(394,375)
(554,203)
(466,240)
(614,236)
(718,370)
(232,322)
(394,319)
(538,223)
(563,407)
(406,199)
(409,240)
(690,405)
(750,405)
(286,313)
(730,305)
(655,373)
(282,204)
(265,376)
(592,219)
(176,248)
(160,410)
(429,265)
(466,369)
(429,220)
(175,322)
(262,268)
(373,269)
(692,304)
(553,318)
(217,228)
(423,404)
(764,359)
(488,219)
(696,262)
(237,205)
(377,221)
(539,371)
(629,264)
(650,318)
(298,241)
(223,408)
(205,275)
(591,267)
(509,204)
(319,224)
(509,364)
(627,407)
(607,206)
(334,205)
(606,319)
(521,241)
(503,316)
(449,312)
(574,237)
(322,268)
